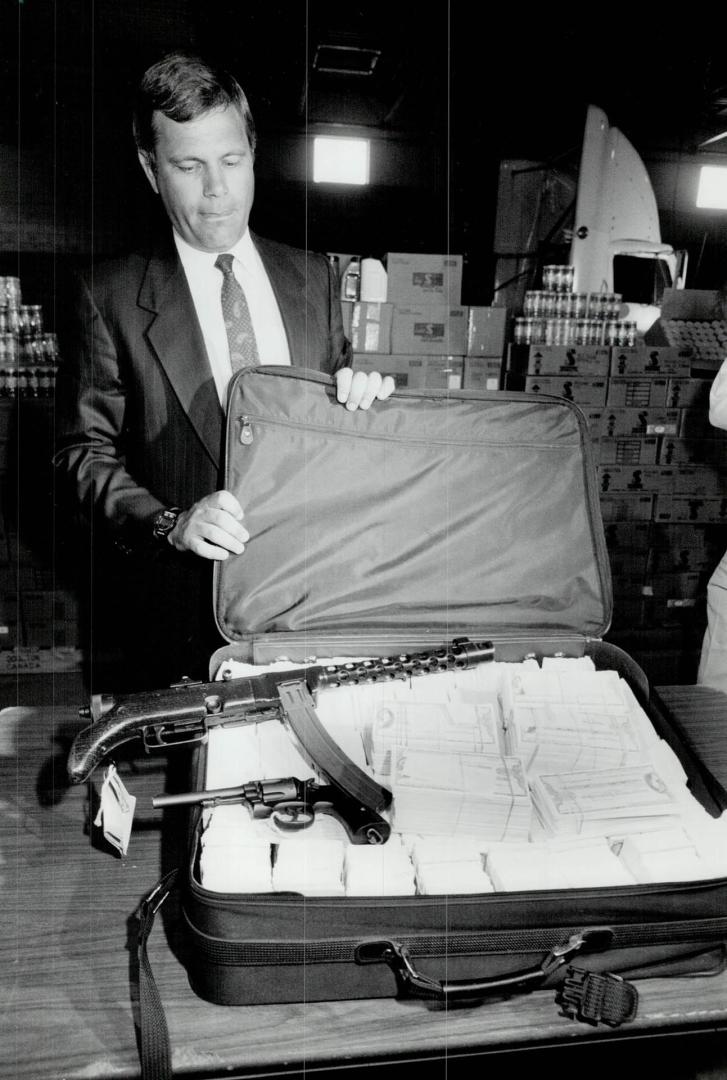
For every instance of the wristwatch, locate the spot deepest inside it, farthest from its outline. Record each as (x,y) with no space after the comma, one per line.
(165,521)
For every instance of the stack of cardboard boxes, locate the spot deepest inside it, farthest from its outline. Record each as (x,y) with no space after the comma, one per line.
(422,334)
(662,469)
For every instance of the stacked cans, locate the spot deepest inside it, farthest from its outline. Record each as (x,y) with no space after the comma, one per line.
(555,315)
(28,353)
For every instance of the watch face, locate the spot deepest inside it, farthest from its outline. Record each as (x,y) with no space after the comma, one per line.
(165,522)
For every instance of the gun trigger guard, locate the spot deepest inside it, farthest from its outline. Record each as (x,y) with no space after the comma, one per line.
(292,816)
(153,738)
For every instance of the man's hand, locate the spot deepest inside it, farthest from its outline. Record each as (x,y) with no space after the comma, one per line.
(357,389)
(211,528)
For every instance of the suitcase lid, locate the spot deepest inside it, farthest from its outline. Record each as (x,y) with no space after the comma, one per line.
(432,513)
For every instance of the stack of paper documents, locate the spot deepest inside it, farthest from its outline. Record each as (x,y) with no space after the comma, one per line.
(551,865)
(665,855)
(452,727)
(557,737)
(236,851)
(458,794)
(445,866)
(311,861)
(378,869)
(603,802)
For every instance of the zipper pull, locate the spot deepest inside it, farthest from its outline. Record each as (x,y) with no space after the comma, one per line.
(246,435)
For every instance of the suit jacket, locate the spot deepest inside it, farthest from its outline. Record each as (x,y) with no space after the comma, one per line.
(139,424)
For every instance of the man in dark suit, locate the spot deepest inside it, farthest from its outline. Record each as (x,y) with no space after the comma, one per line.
(156,338)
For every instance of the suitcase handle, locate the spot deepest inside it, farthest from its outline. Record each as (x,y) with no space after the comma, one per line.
(411,983)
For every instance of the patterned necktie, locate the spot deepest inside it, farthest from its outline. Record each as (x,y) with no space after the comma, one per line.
(236,313)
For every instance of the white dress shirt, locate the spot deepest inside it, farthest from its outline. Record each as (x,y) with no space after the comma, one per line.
(205,284)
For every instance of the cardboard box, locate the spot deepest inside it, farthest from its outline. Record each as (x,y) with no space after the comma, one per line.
(434,330)
(581,390)
(628,584)
(370,329)
(680,586)
(699,480)
(482,373)
(694,424)
(591,361)
(50,618)
(697,508)
(651,478)
(688,393)
(682,537)
(627,450)
(616,422)
(626,506)
(414,372)
(681,548)
(651,360)
(670,612)
(10,620)
(626,564)
(629,392)
(628,535)
(699,305)
(628,612)
(675,451)
(486,328)
(424,279)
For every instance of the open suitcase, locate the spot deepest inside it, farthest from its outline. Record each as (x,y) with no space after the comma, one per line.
(433,516)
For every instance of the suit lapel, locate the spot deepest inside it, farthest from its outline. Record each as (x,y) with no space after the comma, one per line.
(288,284)
(176,339)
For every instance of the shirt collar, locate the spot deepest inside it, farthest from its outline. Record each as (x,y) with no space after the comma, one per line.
(193,258)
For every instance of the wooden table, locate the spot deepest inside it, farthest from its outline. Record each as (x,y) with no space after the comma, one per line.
(67,1013)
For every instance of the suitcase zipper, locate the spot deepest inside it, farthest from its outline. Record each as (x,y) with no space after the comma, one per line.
(247,420)
(343,950)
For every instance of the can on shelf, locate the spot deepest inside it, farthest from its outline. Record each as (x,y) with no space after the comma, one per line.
(614,305)
(31,319)
(49,347)
(10,292)
(595,332)
(562,306)
(579,304)
(566,277)
(8,349)
(612,332)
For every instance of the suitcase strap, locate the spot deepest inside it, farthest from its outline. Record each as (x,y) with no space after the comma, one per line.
(584,995)
(154,1047)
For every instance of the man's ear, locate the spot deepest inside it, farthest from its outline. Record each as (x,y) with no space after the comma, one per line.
(146,160)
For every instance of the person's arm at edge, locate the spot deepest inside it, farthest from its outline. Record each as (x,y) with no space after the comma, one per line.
(718,398)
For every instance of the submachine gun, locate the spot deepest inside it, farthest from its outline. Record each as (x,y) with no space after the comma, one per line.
(184,714)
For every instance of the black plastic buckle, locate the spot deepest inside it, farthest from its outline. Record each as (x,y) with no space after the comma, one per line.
(597,997)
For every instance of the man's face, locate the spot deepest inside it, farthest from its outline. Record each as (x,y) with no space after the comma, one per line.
(203,172)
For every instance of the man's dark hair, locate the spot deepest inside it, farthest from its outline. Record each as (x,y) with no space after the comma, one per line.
(183,87)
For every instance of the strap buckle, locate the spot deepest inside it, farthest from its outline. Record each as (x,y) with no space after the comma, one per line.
(597,997)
